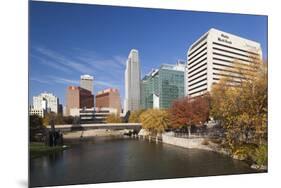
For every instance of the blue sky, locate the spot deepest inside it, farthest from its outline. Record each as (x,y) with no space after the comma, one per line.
(68,40)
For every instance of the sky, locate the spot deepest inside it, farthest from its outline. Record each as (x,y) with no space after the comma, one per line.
(69,40)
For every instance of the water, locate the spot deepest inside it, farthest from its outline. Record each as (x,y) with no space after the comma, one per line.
(121,159)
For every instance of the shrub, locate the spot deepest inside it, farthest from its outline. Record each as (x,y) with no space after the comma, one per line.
(112,118)
(135,116)
(259,156)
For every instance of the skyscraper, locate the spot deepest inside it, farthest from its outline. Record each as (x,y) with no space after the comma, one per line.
(162,86)
(86,82)
(214,56)
(132,82)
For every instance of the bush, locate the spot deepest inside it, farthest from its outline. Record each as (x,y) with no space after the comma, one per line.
(244,152)
(135,116)
(259,156)
(112,118)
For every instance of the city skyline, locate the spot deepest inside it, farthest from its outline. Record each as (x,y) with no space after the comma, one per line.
(63,49)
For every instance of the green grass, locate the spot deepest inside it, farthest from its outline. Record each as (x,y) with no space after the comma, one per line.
(38,149)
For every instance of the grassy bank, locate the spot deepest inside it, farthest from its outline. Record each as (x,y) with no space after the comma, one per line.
(38,149)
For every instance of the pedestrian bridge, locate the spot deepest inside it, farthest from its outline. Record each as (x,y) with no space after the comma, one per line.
(112,126)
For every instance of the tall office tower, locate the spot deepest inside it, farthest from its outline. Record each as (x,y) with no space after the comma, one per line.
(162,86)
(132,82)
(86,82)
(46,101)
(77,97)
(214,56)
(109,98)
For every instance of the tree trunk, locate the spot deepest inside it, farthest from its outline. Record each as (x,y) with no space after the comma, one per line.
(189,131)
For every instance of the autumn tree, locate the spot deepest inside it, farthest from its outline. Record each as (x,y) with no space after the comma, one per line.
(239,102)
(187,111)
(135,116)
(112,118)
(57,118)
(155,120)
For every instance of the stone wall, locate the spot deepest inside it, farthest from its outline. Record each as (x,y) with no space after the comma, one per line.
(192,143)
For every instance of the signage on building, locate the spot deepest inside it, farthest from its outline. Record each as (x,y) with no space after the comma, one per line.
(224,38)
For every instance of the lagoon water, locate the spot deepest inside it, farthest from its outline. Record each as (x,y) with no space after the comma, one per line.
(111,159)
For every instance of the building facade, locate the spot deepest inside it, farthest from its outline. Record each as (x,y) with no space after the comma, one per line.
(86,82)
(92,115)
(109,98)
(46,101)
(214,56)
(77,97)
(39,112)
(162,86)
(132,82)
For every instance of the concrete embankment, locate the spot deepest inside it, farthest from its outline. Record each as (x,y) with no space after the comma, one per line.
(191,143)
(93,133)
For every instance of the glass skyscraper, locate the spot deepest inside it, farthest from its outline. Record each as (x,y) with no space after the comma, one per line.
(162,86)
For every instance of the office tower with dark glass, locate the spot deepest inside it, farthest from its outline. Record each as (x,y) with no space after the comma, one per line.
(162,86)
(132,82)
(213,57)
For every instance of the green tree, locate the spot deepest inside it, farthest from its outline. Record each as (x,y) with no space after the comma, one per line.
(155,120)
(35,126)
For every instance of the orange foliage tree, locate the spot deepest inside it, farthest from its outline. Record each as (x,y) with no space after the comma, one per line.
(190,111)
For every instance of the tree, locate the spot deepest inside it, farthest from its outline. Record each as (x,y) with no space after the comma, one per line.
(35,126)
(155,120)
(190,111)
(112,118)
(241,104)
(58,118)
(135,116)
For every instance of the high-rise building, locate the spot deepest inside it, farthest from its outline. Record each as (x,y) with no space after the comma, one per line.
(86,82)
(132,82)
(109,98)
(162,86)
(214,56)
(46,101)
(77,97)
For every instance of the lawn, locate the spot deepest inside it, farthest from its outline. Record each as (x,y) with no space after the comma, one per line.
(38,149)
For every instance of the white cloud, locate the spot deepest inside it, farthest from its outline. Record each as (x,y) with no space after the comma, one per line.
(39,80)
(63,61)
(61,80)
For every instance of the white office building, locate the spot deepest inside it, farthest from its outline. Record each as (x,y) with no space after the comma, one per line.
(46,101)
(213,56)
(132,82)
(86,82)
(39,112)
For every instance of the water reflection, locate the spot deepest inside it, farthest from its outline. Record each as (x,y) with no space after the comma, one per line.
(123,159)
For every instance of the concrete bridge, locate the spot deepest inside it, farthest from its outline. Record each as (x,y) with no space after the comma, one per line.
(112,126)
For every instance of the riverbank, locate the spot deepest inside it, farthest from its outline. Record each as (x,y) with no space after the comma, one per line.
(207,144)
(38,149)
